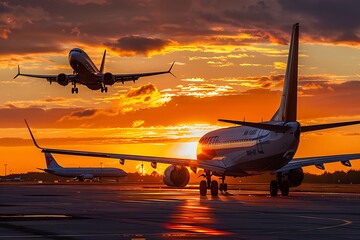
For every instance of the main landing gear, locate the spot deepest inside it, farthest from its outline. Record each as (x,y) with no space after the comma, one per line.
(74,88)
(103,88)
(212,185)
(281,184)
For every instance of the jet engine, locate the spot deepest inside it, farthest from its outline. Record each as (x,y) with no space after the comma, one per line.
(176,176)
(109,78)
(62,79)
(295,177)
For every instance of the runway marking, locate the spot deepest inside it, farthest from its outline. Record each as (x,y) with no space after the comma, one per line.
(36,216)
(345,222)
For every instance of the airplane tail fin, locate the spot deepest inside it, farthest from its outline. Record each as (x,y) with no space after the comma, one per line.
(102,66)
(50,161)
(288,106)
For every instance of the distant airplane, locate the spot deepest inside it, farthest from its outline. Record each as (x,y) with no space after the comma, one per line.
(15,179)
(80,173)
(86,73)
(250,149)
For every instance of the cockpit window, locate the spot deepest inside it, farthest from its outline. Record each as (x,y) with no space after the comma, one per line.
(76,50)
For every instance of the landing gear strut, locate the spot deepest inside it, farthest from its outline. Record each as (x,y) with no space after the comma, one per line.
(104,88)
(223,186)
(74,88)
(281,184)
(208,184)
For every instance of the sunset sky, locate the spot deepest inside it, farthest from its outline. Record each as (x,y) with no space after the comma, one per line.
(230,63)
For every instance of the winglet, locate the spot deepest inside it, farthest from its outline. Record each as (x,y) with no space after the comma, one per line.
(169,71)
(102,66)
(32,136)
(18,73)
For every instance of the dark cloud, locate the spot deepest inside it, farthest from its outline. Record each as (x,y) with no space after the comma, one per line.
(84,113)
(132,45)
(46,26)
(327,20)
(13,116)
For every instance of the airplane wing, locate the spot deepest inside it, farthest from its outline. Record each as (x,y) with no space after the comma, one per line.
(319,161)
(49,78)
(212,165)
(135,76)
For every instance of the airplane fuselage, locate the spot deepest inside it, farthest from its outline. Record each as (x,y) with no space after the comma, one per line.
(250,151)
(86,173)
(83,66)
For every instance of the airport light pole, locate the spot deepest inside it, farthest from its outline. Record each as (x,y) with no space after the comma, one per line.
(101,169)
(5,169)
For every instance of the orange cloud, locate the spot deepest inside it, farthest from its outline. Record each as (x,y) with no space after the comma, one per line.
(147,96)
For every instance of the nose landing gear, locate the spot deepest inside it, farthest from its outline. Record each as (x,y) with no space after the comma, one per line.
(212,185)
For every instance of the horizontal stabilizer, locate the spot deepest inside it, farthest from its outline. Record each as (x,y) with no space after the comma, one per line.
(265,126)
(326,126)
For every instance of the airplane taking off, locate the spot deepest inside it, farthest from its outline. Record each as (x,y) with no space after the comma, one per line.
(249,149)
(80,173)
(86,73)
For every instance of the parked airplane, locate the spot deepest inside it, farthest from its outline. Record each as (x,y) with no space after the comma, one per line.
(250,149)
(80,173)
(86,73)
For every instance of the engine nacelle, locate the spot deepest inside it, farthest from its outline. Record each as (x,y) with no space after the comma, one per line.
(295,177)
(62,79)
(176,176)
(109,79)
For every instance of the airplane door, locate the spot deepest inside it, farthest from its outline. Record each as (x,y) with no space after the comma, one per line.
(259,144)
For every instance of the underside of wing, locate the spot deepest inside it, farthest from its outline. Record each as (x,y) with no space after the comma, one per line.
(318,161)
(211,165)
(50,78)
(136,76)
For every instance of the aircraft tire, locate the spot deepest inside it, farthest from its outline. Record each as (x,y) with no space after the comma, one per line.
(214,187)
(203,188)
(284,188)
(225,187)
(274,188)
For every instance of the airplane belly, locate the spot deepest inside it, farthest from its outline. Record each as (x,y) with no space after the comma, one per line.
(86,76)
(258,165)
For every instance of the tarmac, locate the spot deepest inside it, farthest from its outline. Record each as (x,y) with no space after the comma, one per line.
(153,211)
